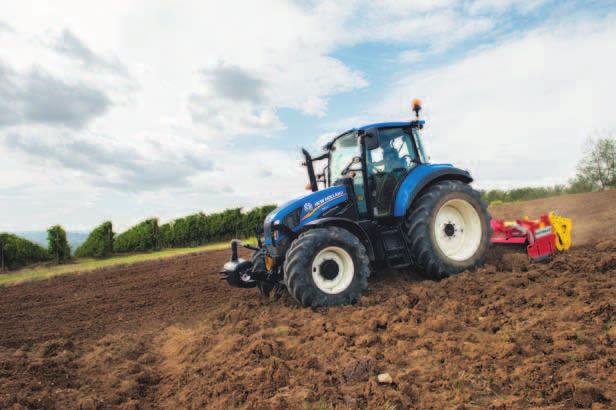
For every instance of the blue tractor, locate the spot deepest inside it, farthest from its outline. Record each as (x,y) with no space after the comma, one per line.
(381,202)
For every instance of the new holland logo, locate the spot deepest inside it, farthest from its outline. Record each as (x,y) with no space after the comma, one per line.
(307,207)
(320,203)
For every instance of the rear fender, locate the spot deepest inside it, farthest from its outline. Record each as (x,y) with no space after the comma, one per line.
(347,224)
(420,178)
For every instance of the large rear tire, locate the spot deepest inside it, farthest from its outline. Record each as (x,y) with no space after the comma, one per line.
(448,230)
(326,267)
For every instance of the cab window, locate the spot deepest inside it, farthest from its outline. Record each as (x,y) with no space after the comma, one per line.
(342,152)
(395,152)
(387,165)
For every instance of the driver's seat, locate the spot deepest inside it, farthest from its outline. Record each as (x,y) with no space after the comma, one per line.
(391,160)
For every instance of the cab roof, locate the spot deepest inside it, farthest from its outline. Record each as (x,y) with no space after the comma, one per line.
(384,124)
(375,125)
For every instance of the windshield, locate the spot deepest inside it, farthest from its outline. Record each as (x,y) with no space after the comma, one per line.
(342,152)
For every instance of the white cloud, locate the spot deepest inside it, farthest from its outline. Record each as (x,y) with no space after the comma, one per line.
(185,82)
(5,27)
(518,112)
(167,48)
(411,56)
(117,188)
(36,97)
(69,44)
(501,6)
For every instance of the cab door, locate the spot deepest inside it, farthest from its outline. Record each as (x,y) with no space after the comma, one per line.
(342,152)
(387,165)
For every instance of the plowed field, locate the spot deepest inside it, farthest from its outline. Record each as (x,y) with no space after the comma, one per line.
(170,334)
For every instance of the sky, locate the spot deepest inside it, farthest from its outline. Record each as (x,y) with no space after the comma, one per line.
(125,110)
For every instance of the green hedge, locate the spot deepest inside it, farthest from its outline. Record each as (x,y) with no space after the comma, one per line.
(99,243)
(18,252)
(224,225)
(199,229)
(253,219)
(190,230)
(144,236)
(58,247)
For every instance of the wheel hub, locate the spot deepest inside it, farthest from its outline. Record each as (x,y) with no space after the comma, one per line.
(449,229)
(329,269)
(457,229)
(333,270)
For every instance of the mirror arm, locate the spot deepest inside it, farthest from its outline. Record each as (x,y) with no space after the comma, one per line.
(353,161)
(311,176)
(320,157)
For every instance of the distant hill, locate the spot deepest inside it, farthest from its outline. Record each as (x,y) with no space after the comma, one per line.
(40,237)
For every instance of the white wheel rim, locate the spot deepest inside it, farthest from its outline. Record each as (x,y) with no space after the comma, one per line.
(345,270)
(457,230)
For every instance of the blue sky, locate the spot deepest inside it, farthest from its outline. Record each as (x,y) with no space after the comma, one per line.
(148,108)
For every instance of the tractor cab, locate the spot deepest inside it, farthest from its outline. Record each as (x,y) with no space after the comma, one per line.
(377,158)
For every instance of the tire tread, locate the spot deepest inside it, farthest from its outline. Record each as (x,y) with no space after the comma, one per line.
(417,232)
(298,266)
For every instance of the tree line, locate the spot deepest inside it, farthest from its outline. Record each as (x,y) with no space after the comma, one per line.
(596,171)
(102,242)
(189,231)
(192,230)
(16,252)
(499,196)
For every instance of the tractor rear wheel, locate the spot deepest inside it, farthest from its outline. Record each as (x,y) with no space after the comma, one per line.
(326,267)
(448,230)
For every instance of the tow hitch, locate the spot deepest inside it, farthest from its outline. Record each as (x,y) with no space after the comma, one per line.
(237,271)
(242,273)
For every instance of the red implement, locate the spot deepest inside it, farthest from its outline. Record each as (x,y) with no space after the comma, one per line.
(537,235)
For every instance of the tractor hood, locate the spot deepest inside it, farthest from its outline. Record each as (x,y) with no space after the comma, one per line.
(300,211)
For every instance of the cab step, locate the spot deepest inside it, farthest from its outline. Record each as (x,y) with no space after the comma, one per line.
(396,253)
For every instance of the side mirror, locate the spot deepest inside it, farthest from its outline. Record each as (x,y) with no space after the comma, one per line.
(371,138)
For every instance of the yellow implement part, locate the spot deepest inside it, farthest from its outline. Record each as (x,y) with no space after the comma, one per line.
(562,228)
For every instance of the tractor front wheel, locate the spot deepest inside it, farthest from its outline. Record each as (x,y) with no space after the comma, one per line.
(326,267)
(448,230)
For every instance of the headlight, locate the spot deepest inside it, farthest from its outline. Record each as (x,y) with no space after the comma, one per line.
(292,219)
